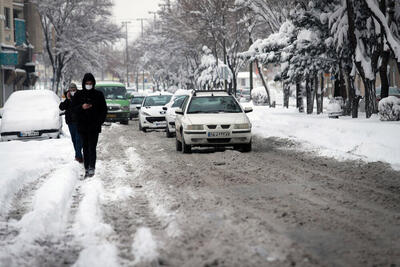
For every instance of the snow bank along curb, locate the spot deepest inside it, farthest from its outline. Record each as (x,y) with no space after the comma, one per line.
(91,231)
(144,247)
(369,140)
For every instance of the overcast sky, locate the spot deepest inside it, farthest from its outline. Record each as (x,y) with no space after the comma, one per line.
(132,10)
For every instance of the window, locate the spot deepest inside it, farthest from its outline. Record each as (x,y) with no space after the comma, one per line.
(214,104)
(243,82)
(7,17)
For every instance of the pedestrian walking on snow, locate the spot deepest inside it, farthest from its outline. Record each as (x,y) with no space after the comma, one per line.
(71,120)
(91,110)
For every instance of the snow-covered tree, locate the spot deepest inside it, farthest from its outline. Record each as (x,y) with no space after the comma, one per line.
(73,32)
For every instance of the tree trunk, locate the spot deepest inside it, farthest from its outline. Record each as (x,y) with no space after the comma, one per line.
(384,75)
(370,99)
(309,96)
(286,92)
(264,83)
(353,98)
(299,97)
(319,93)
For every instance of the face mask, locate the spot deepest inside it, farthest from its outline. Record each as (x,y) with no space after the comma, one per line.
(89,87)
(72,93)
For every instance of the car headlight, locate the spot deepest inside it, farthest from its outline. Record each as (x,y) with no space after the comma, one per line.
(194,127)
(146,114)
(242,126)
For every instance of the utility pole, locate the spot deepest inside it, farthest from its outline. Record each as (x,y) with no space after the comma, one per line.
(251,63)
(224,43)
(125,23)
(155,19)
(142,20)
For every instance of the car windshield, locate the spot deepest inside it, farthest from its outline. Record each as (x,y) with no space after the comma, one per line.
(137,100)
(113,92)
(179,101)
(392,91)
(214,104)
(158,100)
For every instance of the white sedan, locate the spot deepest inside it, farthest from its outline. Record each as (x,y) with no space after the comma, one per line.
(212,118)
(151,114)
(176,102)
(31,114)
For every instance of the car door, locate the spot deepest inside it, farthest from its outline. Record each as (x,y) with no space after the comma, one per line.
(178,120)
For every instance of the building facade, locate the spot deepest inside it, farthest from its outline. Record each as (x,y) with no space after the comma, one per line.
(21,39)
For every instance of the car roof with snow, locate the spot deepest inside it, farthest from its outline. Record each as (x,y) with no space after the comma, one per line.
(159,93)
(210,93)
(110,83)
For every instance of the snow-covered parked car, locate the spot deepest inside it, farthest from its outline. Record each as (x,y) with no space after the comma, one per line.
(212,118)
(260,96)
(335,107)
(176,102)
(31,114)
(151,114)
(389,109)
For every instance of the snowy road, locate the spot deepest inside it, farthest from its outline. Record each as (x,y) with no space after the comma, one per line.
(150,206)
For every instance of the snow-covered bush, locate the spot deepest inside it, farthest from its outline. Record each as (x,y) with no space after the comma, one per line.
(259,96)
(389,109)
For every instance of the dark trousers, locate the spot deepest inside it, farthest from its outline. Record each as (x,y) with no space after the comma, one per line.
(89,140)
(76,140)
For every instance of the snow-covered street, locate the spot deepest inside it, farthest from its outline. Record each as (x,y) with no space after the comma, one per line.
(149,205)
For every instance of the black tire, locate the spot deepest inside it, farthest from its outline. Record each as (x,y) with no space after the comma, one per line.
(144,129)
(168,133)
(247,147)
(178,145)
(186,149)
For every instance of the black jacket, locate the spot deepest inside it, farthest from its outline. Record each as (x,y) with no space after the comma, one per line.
(89,120)
(70,116)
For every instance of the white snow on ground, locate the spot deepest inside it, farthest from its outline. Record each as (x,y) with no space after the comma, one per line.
(25,162)
(144,247)
(91,231)
(49,213)
(369,140)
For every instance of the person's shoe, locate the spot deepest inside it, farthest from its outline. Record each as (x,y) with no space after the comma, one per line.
(90,172)
(86,173)
(80,160)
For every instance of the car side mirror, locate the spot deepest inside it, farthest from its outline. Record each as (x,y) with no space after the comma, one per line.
(248,109)
(165,108)
(138,106)
(62,113)
(179,111)
(1,113)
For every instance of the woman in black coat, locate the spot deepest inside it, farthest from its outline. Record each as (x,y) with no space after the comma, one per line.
(91,110)
(70,119)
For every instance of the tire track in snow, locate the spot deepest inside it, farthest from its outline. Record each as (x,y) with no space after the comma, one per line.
(40,240)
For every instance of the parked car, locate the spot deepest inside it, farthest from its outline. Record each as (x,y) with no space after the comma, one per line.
(171,115)
(243,95)
(151,114)
(117,101)
(135,101)
(335,107)
(393,91)
(212,118)
(31,114)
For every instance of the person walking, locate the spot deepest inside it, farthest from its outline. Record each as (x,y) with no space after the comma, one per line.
(91,109)
(71,120)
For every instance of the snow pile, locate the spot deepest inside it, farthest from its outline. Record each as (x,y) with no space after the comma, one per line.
(92,232)
(144,247)
(259,96)
(31,110)
(369,140)
(22,163)
(389,109)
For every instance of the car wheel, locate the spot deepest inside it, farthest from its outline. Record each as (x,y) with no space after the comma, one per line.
(144,129)
(246,147)
(178,145)
(168,133)
(186,149)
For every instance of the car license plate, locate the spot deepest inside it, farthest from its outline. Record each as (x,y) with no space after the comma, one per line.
(29,134)
(219,134)
(161,124)
(111,115)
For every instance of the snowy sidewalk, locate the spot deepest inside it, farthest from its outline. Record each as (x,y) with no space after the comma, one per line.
(344,138)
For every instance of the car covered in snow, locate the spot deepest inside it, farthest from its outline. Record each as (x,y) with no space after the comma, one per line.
(135,101)
(175,103)
(210,119)
(335,107)
(31,114)
(151,114)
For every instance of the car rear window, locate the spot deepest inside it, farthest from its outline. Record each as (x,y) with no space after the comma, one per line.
(213,104)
